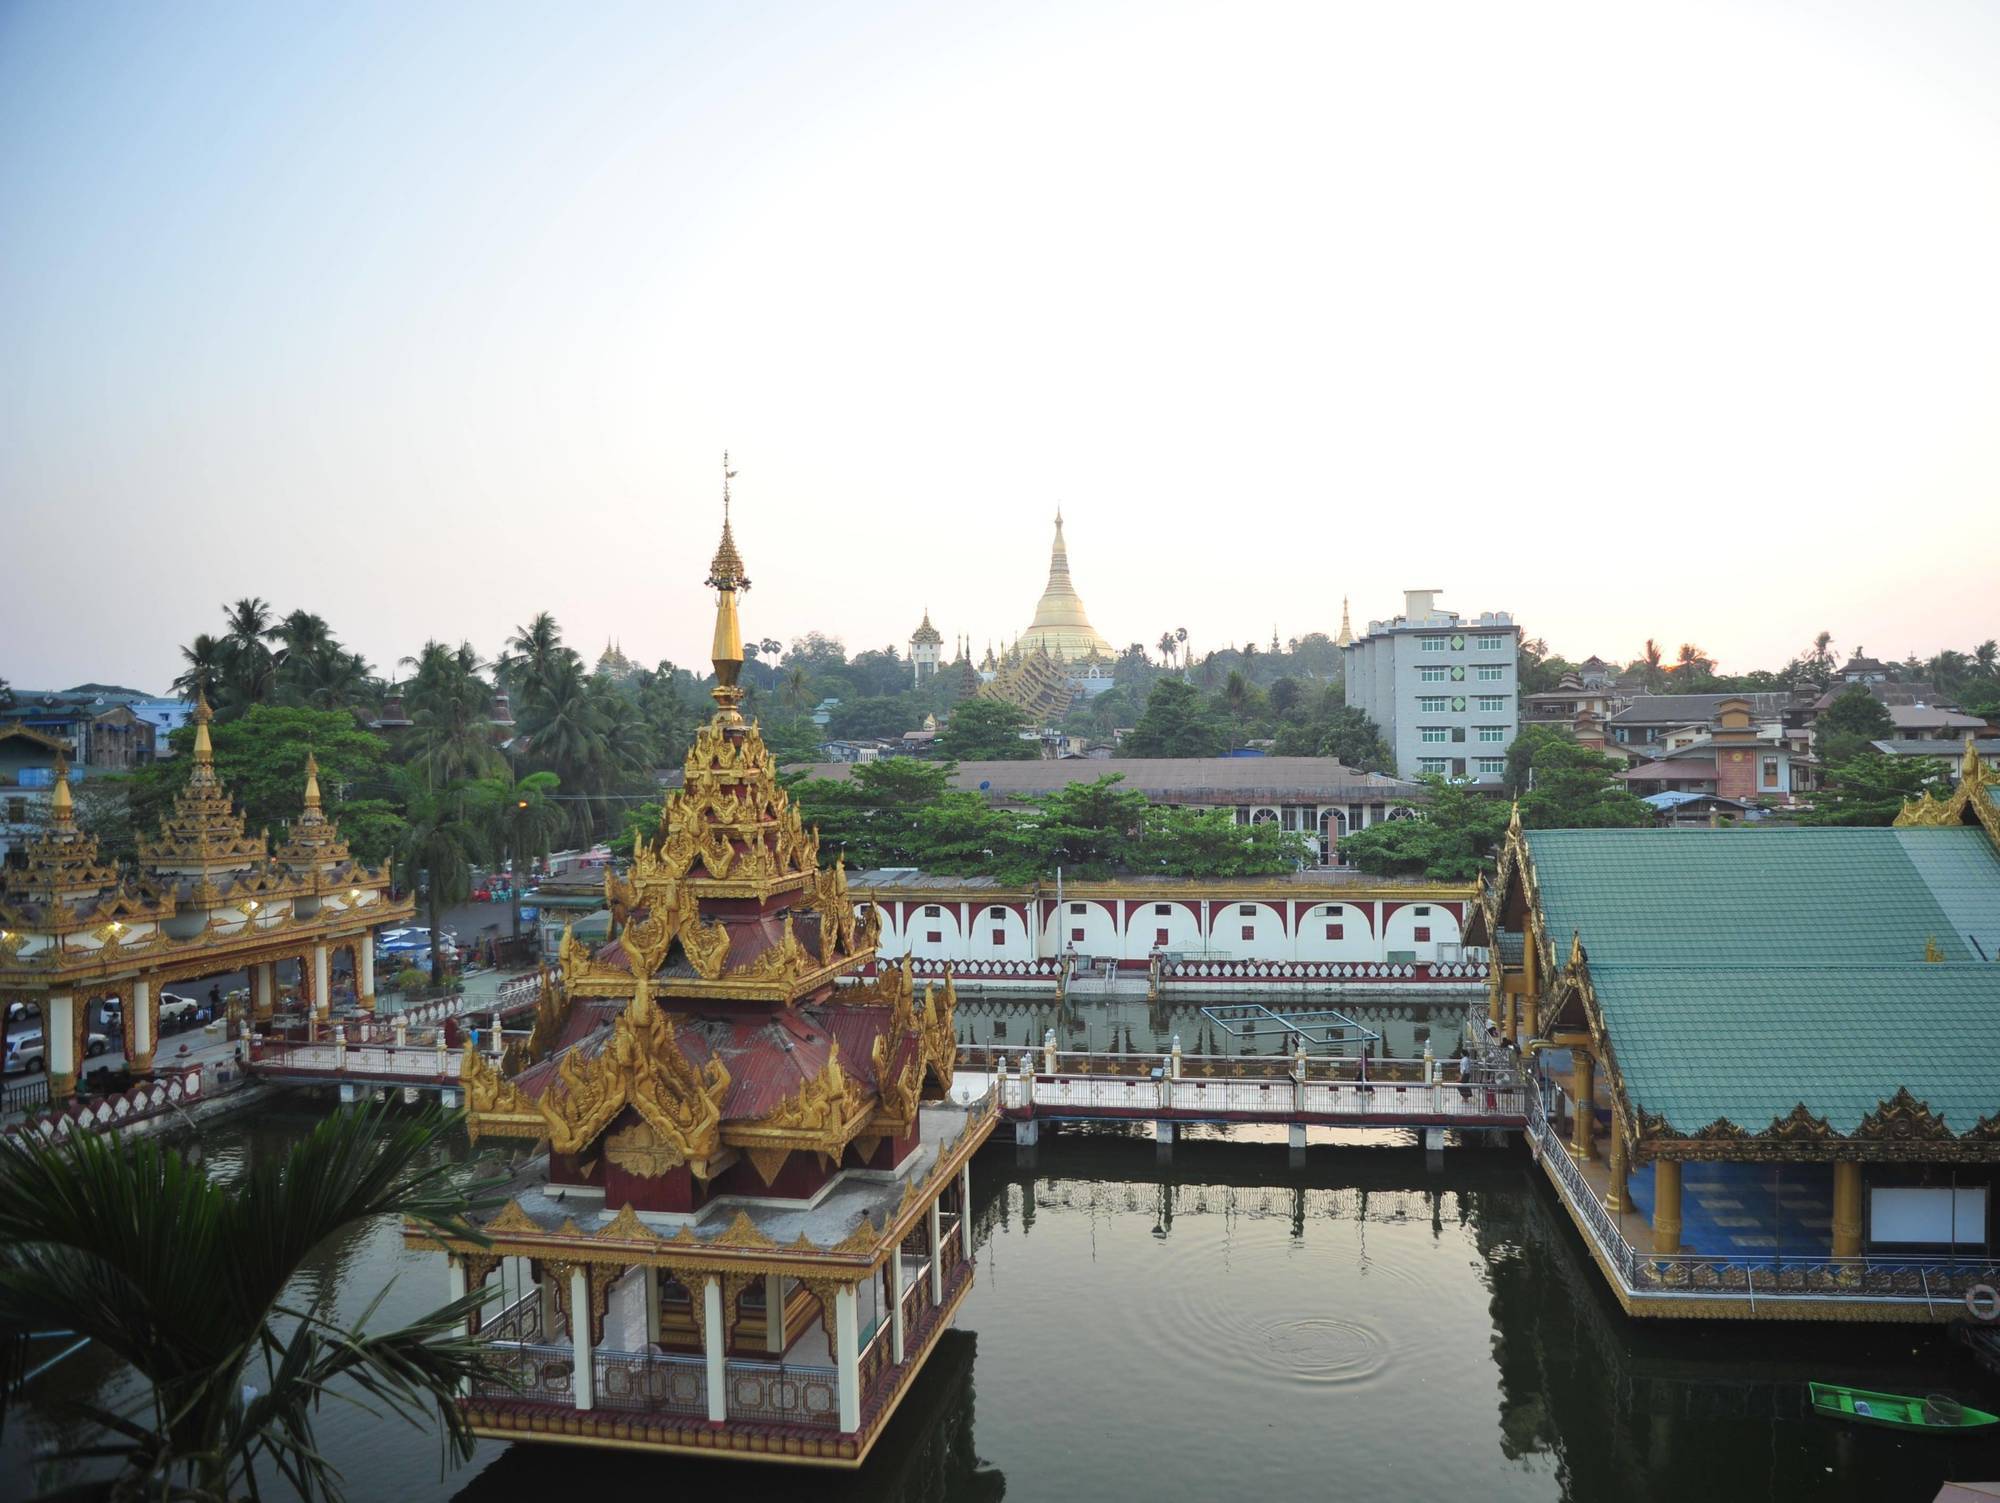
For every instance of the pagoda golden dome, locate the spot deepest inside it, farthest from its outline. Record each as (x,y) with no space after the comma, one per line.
(1060,625)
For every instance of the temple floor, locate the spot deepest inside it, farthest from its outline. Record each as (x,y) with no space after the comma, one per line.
(1731,1210)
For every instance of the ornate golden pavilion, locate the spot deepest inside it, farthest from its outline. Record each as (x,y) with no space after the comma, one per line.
(746,1223)
(1806,1008)
(208,898)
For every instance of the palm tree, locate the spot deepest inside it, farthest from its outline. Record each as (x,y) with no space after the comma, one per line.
(201,677)
(532,656)
(525,822)
(451,737)
(562,724)
(184,1276)
(1986,657)
(1821,656)
(1167,645)
(249,670)
(1653,673)
(1948,669)
(1691,656)
(441,838)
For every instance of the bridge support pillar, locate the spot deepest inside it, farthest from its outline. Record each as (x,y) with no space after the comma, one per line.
(1163,1132)
(348,1092)
(1295,1135)
(1433,1140)
(1027,1134)
(409,1095)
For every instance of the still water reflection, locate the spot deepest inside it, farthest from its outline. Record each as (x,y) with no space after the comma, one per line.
(1228,1322)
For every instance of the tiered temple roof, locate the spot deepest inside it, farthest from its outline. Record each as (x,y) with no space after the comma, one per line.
(1033,682)
(63,884)
(202,838)
(707,1048)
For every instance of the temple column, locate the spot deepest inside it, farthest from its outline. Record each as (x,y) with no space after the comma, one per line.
(965,1210)
(651,1282)
(847,1356)
(1583,1144)
(774,1312)
(1527,1018)
(364,971)
(322,973)
(145,1014)
(1847,1208)
(896,1304)
(937,1253)
(715,1346)
(1614,1197)
(263,990)
(454,1289)
(583,1385)
(1666,1205)
(59,1013)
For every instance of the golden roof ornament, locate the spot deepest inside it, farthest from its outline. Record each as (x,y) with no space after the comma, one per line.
(726,577)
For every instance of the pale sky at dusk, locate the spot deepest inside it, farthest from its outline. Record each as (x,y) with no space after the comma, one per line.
(1679,320)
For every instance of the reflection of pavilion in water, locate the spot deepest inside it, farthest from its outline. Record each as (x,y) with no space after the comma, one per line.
(1136,1025)
(926,1452)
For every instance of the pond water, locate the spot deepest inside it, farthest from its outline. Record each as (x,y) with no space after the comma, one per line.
(1227,1319)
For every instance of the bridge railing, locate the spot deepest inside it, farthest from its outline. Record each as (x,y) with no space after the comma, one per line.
(387,1061)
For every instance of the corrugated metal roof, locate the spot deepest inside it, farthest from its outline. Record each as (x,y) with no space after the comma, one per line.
(1220,780)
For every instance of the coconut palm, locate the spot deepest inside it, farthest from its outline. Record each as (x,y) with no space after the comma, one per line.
(1691,656)
(1986,658)
(249,669)
(533,655)
(1167,646)
(201,678)
(1653,673)
(451,736)
(185,1276)
(1821,656)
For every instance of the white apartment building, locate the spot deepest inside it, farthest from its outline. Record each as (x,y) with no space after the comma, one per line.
(1443,688)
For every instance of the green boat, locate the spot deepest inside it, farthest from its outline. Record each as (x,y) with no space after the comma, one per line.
(1898,1411)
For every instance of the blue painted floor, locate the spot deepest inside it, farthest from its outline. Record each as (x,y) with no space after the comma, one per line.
(1748,1210)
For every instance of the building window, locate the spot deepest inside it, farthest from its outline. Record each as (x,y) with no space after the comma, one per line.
(1433,764)
(1770,772)
(1423,933)
(1489,644)
(1162,910)
(1247,910)
(1492,673)
(996,911)
(1160,939)
(1432,734)
(1431,644)
(931,910)
(1493,733)
(1076,936)
(1430,675)
(1430,704)
(999,936)
(1249,932)
(1077,907)
(1420,911)
(1490,703)
(934,937)
(1333,931)
(1490,767)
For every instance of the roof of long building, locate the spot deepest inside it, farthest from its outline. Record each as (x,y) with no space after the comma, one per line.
(1194,780)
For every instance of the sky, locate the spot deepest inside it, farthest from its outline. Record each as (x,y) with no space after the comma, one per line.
(1677,321)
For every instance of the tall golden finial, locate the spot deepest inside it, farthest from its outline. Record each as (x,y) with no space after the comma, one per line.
(312,781)
(62,804)
(726,577)
(1514,819)
(204,750)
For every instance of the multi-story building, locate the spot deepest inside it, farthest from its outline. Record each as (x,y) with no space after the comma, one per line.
(1444,689)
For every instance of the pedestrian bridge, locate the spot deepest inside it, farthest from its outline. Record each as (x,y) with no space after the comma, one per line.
(1051,1085)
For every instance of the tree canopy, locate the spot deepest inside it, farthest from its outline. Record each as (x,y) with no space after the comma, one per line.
(1450,841)
(1869,789)
(983,730)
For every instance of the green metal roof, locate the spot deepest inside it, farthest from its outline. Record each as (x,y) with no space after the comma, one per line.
(1742,971)
(1751,897)
(1697,1044)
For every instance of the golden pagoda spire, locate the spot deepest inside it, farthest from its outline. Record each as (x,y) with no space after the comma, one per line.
(312,781)
(204,750)
(1346,636)
(726,578)
(62,804)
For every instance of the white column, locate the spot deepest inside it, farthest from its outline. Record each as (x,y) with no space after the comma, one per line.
(454,1289)
(715,1339)
(583,1381)
(896,1304)
(364,965)
(937,1255)
(59,1041)
(651,1277)
(847,1356)
(774,1312)
(322,981)
(142,1020)
(263,977)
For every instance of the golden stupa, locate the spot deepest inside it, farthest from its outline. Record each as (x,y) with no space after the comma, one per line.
(1060,626)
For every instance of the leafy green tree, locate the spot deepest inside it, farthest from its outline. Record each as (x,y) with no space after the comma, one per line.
(249,671)
(962,834)
(1176,842)
(525,822)
(184,1275)
(871,816)
(261,758)
(1845,727)
(986,730)
(441,841)
(1574,790)
(1869,789)
(1540,670)
(1529,742)
(1087,828)
(1450,841)
(882,717)
(1176,723)
(793,740)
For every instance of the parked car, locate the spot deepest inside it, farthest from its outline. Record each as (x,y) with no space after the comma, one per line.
(19,1012)
(24,1050)
(177,1011)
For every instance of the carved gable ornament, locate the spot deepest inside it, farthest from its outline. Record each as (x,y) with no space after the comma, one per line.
(1903,1119)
